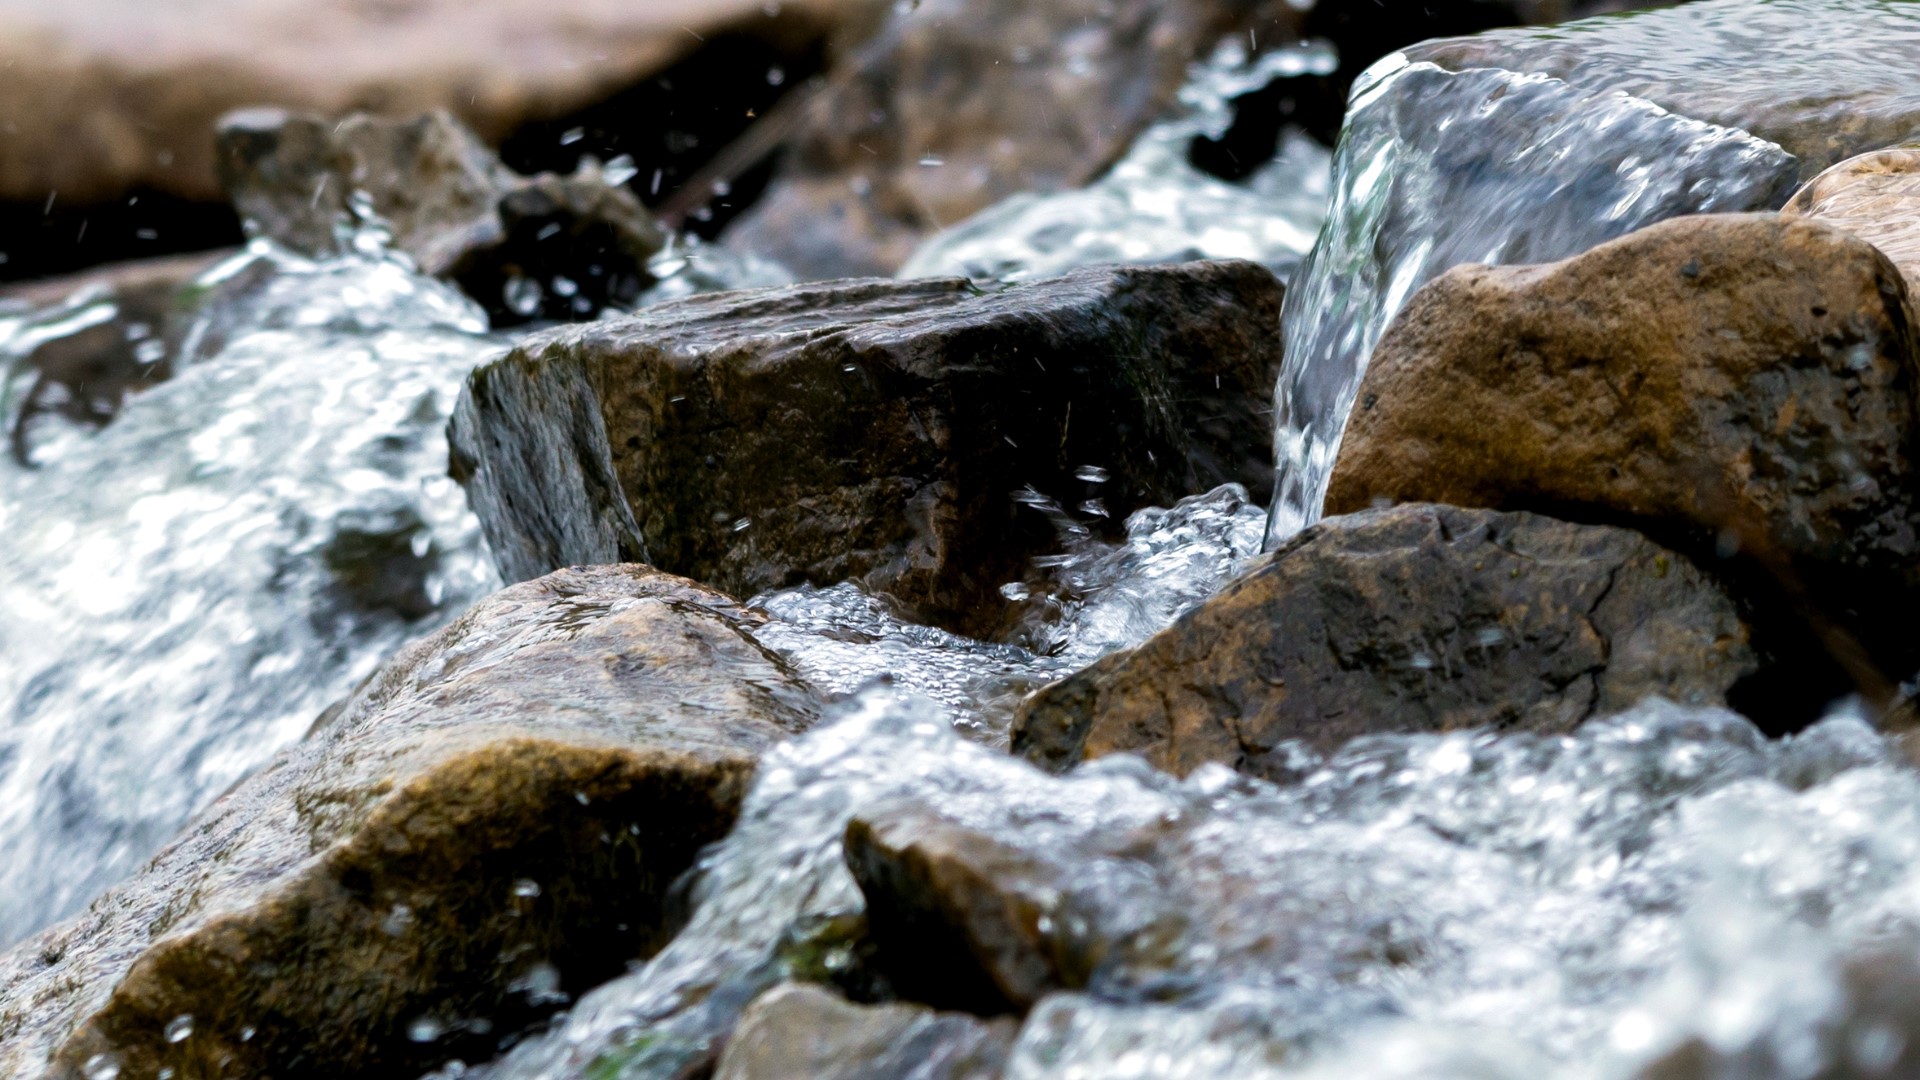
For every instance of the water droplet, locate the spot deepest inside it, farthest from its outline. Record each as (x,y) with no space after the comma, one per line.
(931,162)
(620,170)
(180,1028)
(572,135)
(1093,474)
(564,286)
(776,75)
(101,1067)
(742,524)
(522,295)
(397,921)
(526,887)
(425,1029)
(1015,591)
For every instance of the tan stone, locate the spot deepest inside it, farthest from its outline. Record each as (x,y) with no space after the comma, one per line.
(807,1031)
(1729,383)
(1875,197)
(506,802)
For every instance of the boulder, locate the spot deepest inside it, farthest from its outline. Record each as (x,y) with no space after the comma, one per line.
(104,96)
(1718,106)
(800,1030)
(1416,618)
(940,116)
(562,247)
(1738,383)
(491,823)
(1874,196)
(892,432)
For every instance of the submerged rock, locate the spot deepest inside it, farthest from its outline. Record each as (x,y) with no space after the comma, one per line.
(1411,619)
(1529,145)
(103,96)
(898,433)
(798,1030)
(490,824)
(1728,383)
(430,188)
(1874,196)
(940,117)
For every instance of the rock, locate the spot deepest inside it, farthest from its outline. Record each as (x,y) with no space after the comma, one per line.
(799,1030)
(1723,382)
(1823,79)
(1875,197)
(936,118)
(491,823)
(1711,107)
(869,429)
(103,96)
(437,193)
(1416,618)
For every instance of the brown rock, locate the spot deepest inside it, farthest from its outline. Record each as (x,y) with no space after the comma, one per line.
(799,1030)
(1720,381)
(493,820)
(105,95)
(1413,619)
(959,103)
(1875,197)
(870,429)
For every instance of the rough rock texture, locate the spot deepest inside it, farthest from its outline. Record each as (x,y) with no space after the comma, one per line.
(957,104)
(1875,197)
(495,816)
(869,429)
(1825,79)
(963,917)
(1409,619)
(1738,381)
(311,184)
(799,1030)
(106,95)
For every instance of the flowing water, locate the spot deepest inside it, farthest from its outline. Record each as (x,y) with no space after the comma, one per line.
(1664,895)
(186,589)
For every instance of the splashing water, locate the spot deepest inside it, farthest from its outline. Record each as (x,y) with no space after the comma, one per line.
(1660,890)
(1438,168)
(1154,206)
(189,587)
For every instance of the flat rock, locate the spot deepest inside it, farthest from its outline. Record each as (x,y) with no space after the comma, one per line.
(492,822)
(802,1030)
(1876,197)
(872,430)
(1728,383)
(103,96)
(1417,618)
(958,104)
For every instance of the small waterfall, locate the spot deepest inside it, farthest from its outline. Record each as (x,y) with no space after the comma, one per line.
(1437,168)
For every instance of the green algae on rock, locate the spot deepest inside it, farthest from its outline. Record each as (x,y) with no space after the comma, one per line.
(491,823)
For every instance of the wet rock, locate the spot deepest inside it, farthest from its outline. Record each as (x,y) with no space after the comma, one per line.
(1710,107)
(1739,383)
(935,119)
(890,432)
(555,246)
(1823,79)
(1875,197)
(798,1030)
(490,824)
(1417,618)
(103,96)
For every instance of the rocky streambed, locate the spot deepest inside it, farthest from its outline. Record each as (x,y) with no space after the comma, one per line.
(479,629)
